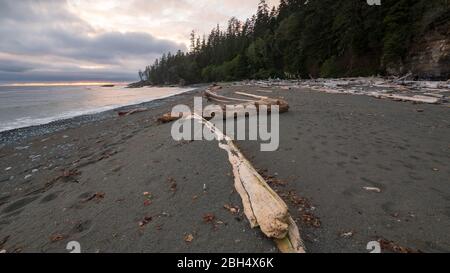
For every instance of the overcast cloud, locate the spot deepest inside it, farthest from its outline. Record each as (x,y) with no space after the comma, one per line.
(102,40)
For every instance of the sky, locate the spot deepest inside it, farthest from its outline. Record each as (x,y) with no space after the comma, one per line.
(101,40)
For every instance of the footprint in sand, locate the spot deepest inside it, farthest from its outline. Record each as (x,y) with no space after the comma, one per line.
(20,204)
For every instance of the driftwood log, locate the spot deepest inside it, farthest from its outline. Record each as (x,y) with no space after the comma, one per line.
(262,206)
(222,101)
(131,112)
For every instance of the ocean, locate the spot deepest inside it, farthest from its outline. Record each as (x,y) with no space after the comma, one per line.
(23,106)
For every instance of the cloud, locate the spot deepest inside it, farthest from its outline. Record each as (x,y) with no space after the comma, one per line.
(60,39)
(14,66)
(44,39)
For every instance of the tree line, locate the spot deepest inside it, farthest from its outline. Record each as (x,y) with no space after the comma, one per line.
(302,39)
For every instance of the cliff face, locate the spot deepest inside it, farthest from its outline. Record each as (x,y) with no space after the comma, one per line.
(430,56)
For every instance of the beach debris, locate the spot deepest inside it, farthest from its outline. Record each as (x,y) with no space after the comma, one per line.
(8,169)
(145,221)
(262,206)
(148,200)
(420,110)
(131,112)
(309,219)
(56,238)
(188,238)
(70,173)
(96,196)
(165,214)
(394,247)
(35,170)
(271,179)
(414,98)
(347,234)
(173,184)
(305,209)
(258,102)
(373,189)
(204,187)
(231,208)
(397,89)
(166,118)
(3,241)
(20,148)
(208,218)
(28,176)
(2,251)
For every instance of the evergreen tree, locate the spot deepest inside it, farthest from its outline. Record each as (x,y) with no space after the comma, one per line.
(302,38)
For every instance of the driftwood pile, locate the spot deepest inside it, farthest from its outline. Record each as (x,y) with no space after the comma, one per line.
(222,101)
(398,89)
(257,101)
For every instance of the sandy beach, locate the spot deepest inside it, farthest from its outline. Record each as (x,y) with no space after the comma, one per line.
(122,184)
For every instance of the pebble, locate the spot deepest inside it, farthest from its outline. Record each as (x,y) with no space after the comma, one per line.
(28,176)
(374,189)
(9,168)
(35,170)
(35,157)
(22,148)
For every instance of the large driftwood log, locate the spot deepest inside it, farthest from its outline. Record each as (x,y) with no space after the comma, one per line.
(262,206)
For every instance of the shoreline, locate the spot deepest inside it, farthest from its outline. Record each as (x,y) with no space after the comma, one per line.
(17,135)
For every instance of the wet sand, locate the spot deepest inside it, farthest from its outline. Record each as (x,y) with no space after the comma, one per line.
(121,184)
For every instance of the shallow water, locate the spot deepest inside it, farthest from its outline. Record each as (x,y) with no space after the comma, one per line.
(23,106)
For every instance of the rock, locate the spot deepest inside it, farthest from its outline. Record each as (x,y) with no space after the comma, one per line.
(430,56)
(188,238)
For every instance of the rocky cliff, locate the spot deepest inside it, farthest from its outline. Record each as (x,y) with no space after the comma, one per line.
(429,58)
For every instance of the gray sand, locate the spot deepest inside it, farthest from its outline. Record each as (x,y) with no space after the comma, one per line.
(331,147)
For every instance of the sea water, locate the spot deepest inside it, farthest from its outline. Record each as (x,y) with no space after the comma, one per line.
(23,106)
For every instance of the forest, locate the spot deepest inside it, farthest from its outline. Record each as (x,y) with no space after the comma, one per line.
(303,39)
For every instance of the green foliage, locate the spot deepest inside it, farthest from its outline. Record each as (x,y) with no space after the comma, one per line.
(303,38)
(329,68)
